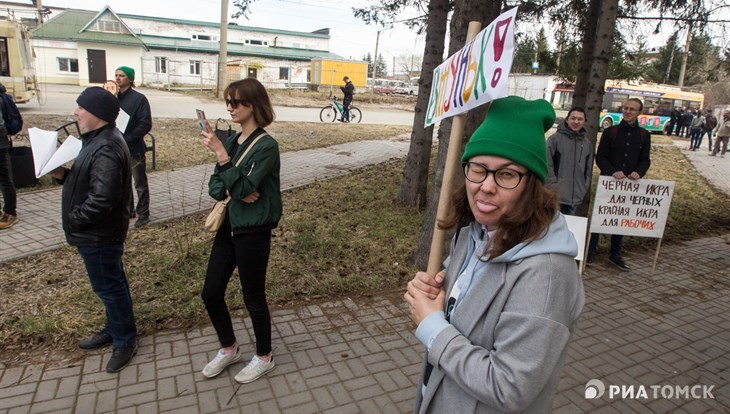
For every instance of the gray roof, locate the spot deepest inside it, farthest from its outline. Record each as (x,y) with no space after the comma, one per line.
(234,49)
(69,25)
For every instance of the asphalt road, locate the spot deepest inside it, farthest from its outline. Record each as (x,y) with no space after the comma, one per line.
(61,100)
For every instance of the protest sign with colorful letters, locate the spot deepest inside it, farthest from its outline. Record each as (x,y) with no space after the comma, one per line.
(631,207)
(476,74)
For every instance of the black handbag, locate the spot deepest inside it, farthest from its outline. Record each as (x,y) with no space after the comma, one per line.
(223,133)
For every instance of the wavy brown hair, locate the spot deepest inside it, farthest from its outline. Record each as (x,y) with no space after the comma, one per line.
(527,221)
(251,92)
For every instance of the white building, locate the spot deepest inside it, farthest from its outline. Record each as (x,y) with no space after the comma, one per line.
(85,47)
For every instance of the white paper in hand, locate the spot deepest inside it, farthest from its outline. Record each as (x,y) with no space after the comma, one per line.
(122,120)
(46,156)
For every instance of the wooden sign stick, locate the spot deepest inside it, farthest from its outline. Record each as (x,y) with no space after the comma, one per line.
(450,168)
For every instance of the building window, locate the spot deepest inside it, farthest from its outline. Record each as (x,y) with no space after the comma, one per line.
(195,67)
(108,26)
(204,37)
(160,64)
(283,73)
(68,65)
(254,42)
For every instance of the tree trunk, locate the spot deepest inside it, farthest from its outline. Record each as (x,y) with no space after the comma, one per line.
(464,12)
(414,186)
(589,87)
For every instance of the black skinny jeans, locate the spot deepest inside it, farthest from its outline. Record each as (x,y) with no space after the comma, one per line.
(250,253)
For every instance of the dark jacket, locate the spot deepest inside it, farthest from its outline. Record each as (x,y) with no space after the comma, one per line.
(140,120)
(348,90)
(687,118)
(4,138)
(626,148)
(97,190)
(259,171)
(570,164)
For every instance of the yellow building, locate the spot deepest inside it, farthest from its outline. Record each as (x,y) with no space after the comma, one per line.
(328,73)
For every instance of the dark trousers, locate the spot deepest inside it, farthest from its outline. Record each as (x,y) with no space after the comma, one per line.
(616,243)
(7,186)
(109,281)
(346,108)
(250,253)
(696,137)
(139,174)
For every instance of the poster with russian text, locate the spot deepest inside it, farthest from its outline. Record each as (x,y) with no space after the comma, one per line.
(476,74)
(631,207)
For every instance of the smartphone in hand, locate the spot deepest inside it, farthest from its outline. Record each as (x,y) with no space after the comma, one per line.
(202,122)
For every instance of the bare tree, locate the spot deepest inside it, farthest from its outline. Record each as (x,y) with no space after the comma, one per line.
(415,171)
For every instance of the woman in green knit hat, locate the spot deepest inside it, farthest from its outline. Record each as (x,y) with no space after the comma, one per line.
(497,321)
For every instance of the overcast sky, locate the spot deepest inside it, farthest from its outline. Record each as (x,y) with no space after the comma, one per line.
(349,36)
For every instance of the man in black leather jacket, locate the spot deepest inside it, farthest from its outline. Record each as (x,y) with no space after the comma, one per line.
(95,215)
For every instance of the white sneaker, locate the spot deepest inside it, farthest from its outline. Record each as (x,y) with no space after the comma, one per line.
(219,363)
(254,370)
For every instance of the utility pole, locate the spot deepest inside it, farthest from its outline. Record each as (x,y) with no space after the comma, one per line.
(686,55)
(223,55)
(375,58)
(671,61)
(39,5)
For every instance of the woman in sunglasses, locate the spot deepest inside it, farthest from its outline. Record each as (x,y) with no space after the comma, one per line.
(247,171)
(496,323)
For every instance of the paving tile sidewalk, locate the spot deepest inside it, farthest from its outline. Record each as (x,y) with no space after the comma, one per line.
(360,355)
(185,191)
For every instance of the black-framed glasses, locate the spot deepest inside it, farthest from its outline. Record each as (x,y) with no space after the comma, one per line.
(506,178)
(234,102)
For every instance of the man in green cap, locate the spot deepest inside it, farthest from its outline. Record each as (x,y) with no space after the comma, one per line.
(140,123)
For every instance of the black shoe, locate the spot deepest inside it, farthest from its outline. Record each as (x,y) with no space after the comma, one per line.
(341,120)
(619,262)
(100,339)
(141,221)
(591,259)
(120,358)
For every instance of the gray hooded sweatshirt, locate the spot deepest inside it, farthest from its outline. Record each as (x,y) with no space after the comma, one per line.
(570,164)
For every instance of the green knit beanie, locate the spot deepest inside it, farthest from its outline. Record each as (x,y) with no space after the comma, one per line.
(127,71)
(514,129)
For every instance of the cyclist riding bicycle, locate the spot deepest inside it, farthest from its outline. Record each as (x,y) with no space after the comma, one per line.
(348,90)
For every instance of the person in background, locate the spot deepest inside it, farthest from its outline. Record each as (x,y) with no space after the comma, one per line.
(687,122)
(140,123)
(673,117)
(252,180)
(497,322)
(710,125)
(348,90)
(680,122)
(570,161)
(95,215)
(7,186)
(697,129)
(624,152)
(723,135)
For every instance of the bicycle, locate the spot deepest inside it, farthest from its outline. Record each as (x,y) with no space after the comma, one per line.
(331,112)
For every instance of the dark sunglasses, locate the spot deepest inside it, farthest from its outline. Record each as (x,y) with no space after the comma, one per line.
(234,102)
